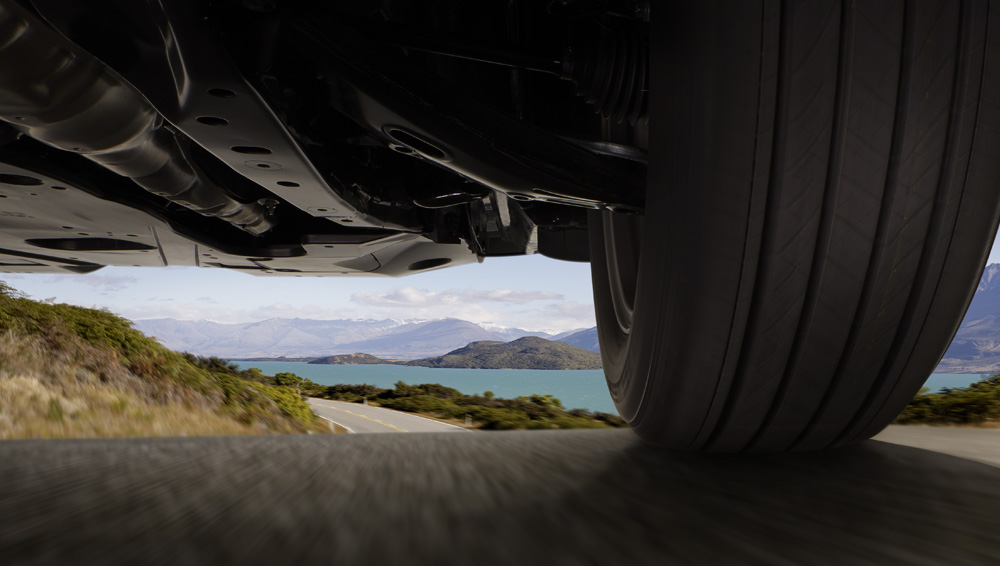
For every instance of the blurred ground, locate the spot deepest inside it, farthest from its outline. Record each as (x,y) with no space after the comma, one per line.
(526,497)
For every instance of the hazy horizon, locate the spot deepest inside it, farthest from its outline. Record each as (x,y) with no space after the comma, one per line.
(533,293)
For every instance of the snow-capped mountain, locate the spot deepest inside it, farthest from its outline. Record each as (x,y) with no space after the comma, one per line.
(388,338)
(976,347)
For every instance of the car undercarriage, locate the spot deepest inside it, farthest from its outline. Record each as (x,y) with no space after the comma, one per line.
(313,138)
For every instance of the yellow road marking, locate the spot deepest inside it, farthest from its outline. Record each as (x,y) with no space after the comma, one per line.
(362,416)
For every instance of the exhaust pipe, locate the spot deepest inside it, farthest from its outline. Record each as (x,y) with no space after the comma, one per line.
(56,93)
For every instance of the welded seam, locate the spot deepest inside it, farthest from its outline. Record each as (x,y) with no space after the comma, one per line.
(777,157)
(838,134)
(885,217)
(961,74)
(159,246)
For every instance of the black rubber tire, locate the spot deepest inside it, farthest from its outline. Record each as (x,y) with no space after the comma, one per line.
(824,187)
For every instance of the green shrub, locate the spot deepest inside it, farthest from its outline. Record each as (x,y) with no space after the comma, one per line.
(422,404)
(499,419)
(975,404)
(438,390)
(543,400)
(99,328)
(289,402)
(487,411)
(341,392)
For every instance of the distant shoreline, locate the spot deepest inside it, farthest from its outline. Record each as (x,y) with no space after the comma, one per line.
(278,359)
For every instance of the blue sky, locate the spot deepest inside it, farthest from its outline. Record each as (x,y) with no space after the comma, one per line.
(534,293)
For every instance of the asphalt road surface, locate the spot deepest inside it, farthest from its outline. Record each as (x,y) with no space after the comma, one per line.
(362,418)
(528,497)
(982,445)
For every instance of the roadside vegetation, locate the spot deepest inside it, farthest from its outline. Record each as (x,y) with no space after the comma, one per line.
(67,371)
(975,405)
(486,411)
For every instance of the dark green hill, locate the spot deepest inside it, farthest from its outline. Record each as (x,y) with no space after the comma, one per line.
(351,359)
(529,352)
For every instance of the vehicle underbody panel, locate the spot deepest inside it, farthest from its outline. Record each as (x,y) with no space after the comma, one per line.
(312,138)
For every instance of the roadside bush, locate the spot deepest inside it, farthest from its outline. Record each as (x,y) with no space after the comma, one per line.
(500,419)
(402,389)
(289,402)
(543,400)
(423,404)
(488,411)
(611,419)
(98,328)
(352,393)
(976,404)
(438,390)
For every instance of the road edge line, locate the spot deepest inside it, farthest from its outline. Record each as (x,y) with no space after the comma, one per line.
(347,428)
(402,413)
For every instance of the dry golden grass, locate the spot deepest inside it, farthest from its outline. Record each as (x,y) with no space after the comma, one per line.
(67,388)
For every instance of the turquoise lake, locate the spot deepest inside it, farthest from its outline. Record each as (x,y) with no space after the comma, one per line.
(584,389)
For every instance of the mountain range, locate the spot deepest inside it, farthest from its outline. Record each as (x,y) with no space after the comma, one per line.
(530,352)
(300,338)
(976,347)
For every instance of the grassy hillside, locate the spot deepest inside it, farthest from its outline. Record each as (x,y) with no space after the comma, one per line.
(67,371)
(530,352)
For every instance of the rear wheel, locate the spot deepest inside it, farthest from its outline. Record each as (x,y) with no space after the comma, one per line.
(822,195)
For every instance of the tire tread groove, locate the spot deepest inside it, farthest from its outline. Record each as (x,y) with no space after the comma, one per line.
(777,155)
(951,156)
(885,209)
(835,159)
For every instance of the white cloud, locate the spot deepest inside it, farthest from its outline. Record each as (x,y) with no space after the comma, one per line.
(201,311)
(531,310)
(422,298)
(556,317)
(510,296)
(104,283)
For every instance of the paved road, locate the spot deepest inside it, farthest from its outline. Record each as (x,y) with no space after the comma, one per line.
(982,445)
(530,497)
(362,418)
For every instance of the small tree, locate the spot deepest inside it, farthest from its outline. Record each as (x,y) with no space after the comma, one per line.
(288,379)
(403,389)
(546,400)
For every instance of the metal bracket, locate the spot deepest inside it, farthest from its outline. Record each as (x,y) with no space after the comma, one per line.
(432,119)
